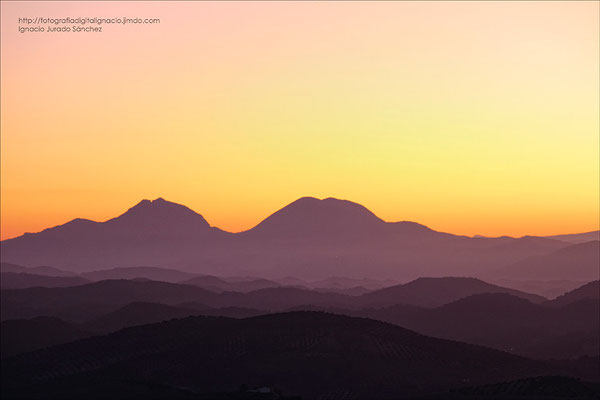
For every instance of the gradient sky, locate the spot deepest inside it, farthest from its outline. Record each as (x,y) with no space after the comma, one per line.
(468,117)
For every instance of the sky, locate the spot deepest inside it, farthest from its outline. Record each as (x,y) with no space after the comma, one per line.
(468,117)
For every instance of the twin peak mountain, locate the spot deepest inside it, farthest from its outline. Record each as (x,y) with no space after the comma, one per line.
(309,238)
(307,216)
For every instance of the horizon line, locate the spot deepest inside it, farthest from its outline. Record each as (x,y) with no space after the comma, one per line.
(160,198)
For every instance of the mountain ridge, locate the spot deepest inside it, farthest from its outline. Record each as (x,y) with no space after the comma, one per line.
(308,238)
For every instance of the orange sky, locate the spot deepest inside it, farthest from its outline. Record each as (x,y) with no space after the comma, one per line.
(468,117)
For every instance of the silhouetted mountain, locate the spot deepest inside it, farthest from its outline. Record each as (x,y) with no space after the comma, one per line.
(161,217)
(98,298)
(305,353)
(150,233)
(433,292)
(23,335)
(151,273)
(342,282)
(282,298)
(502,321)
(43,270)
(546,288)
(575,262)
(578,237)
(222,285)
(590,290)
(353,291)
(137,313)
(71,303)
(20,336)
(497,320)
(292,281)
(310,239)
(309,217)
(12,280)
(230,312)
(140,313)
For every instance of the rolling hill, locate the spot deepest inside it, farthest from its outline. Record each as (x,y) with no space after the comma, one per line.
(575,262)
(504,322)
(15,280)
(590,290)
(151,273)
(80,303)
(20,336)
(433,292)
(304,353)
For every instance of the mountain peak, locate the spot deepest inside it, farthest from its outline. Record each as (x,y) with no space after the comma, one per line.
(157,202)
(312,216)
(159,212)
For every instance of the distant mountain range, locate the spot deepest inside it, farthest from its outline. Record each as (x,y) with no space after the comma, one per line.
(14,280)
(499,320)
(462,309)
(309,239)
(78,303)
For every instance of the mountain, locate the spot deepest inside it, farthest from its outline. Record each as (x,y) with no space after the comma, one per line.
(309,217)
(575,262)
(545,288)
(137,313)
(12,280)
(577,237)
(282,298)
(590,290)
(42,270)
(20,336)
(433,292)
(504,322)
(24,335)
(140,313)
(314,355)
(342,282)
(353,291)
(81,303)
(310,239)
(94,298)
(229,312)
(152,273)
(150,233)
(223,285)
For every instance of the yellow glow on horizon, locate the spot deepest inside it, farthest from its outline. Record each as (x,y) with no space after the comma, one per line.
(468,117)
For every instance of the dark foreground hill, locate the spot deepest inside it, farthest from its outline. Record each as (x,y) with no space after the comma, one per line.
(25,335)
(590,290)
(541,387)
(18,336)
(312,354)
(497,320)
(505,322)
